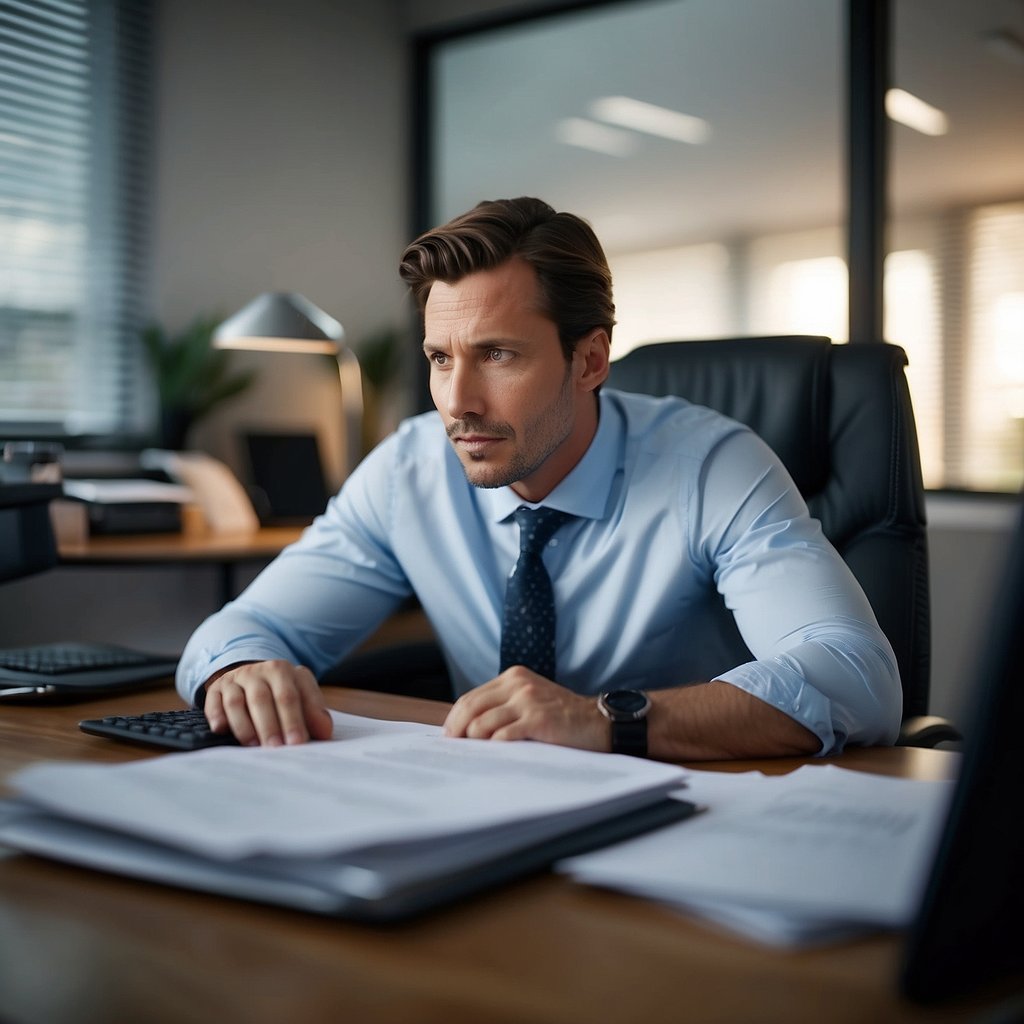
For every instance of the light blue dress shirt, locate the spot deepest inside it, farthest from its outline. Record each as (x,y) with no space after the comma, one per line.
(691,557)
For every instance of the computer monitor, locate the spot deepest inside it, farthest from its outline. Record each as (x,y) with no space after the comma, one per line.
(286,476)
(969,931)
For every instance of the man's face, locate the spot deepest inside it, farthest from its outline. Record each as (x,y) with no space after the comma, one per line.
(515,411)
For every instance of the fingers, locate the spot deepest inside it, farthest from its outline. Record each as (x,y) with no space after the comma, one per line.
(268,703)
(469,710)
(521,705)
(480,723)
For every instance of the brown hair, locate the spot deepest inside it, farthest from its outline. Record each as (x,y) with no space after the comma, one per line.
(575,282)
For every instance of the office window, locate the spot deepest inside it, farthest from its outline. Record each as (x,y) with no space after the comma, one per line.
(73,122)
(682,125)
(669,294)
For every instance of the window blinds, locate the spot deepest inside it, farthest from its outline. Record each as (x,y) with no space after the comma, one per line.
(993,379)
(74,101)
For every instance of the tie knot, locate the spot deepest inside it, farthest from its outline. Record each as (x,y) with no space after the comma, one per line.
(537,526)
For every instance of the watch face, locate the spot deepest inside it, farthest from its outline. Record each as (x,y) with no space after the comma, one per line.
(628,702)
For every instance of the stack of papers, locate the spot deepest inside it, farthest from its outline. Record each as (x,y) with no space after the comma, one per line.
(385,821)
(814,856)
(390,819)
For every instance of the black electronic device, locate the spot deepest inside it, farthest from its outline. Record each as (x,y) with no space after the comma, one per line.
(967,933)
(73,670)
(286,477)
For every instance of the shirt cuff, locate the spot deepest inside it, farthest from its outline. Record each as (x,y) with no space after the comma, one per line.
(206,662)
(781,687)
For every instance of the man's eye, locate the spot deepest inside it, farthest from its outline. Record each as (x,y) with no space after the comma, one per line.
(439,358)
(497,355)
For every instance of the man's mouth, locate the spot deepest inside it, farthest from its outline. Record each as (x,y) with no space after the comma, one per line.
(476,438)
(475,443)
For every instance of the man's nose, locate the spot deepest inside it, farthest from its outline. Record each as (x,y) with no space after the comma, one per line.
(465,395)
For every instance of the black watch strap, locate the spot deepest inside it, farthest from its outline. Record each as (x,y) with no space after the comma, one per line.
(630,737)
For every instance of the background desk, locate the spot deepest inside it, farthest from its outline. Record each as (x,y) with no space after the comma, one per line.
(225,550)
(83,947)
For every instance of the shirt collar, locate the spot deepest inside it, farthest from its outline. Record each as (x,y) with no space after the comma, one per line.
(587,488)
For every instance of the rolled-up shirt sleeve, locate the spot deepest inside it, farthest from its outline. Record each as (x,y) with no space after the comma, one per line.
(820,655)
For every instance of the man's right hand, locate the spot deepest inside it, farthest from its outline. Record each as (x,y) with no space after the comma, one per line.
(268,703)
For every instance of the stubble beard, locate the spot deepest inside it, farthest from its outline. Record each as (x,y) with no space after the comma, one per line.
(541,438)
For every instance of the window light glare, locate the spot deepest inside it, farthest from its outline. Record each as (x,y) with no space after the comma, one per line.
(578,131)
(1008,337)
(906,109)
(650,118)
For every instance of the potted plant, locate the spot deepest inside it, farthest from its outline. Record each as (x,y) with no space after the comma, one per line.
(192,377)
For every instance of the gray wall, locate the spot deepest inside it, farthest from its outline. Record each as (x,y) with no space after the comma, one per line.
(281,165)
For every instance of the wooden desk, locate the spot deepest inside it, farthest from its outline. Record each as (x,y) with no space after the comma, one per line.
(225,550)
(83,947)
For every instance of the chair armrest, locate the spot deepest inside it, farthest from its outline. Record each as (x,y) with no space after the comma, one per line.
(927,731)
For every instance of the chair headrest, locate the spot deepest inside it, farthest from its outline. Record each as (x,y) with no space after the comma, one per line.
(777,386)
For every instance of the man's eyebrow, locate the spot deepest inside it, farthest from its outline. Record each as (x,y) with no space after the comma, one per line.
(481,343)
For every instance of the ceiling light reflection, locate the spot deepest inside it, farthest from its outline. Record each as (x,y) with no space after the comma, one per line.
(908,110)
(577,131)
(652,119)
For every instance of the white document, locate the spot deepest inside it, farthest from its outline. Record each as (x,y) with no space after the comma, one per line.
(328,797)
(787,859)
(354,727)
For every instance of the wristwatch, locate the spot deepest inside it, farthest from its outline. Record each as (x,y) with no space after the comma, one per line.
(627,711)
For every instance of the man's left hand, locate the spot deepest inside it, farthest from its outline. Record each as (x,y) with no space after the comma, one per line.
(521,705)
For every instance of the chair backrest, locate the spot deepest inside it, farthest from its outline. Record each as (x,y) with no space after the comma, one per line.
(840,419)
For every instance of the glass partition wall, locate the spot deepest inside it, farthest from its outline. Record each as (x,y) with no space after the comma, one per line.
(705,141)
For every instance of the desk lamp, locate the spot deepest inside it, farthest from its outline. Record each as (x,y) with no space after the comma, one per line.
(289,322)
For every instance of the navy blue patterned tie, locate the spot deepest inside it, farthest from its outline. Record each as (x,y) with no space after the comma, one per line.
(528,628)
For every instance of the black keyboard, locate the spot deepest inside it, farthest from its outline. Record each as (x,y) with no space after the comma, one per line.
(77,669)
(174,730)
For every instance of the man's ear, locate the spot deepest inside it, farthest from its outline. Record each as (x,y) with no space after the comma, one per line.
(591,359)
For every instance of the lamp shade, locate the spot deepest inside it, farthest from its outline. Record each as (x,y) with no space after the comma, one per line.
(280,322)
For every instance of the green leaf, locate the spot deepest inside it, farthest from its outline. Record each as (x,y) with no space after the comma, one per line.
(192,376)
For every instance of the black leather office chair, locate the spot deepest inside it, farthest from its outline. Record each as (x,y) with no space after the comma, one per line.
(840,419)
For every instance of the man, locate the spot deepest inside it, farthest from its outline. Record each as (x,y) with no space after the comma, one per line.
(685,549)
